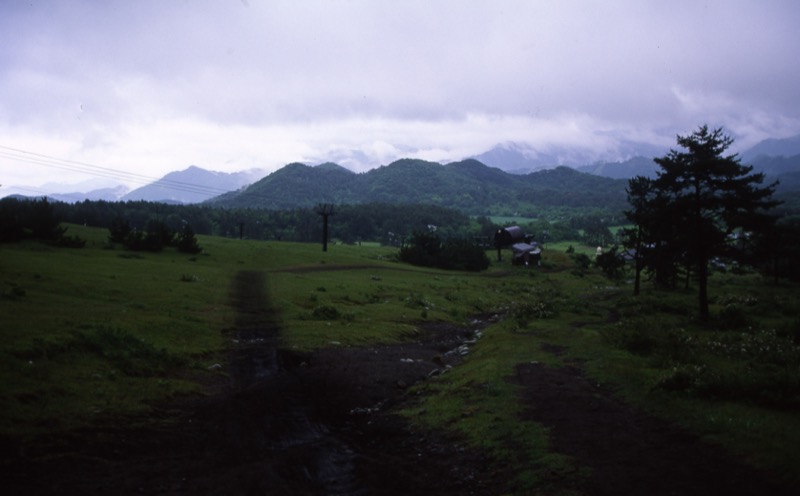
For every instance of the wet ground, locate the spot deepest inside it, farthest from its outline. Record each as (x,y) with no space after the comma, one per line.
(276,423)
(627,451)
(321,424)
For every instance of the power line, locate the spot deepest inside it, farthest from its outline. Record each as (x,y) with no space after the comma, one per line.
(26,156)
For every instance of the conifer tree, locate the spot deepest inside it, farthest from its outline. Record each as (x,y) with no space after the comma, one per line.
(698,199)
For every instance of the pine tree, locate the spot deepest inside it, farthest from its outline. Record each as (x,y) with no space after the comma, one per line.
(701,196)
(640,191)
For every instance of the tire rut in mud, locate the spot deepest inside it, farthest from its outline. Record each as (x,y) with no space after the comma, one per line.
(269,419)
(277,423)
(627,451)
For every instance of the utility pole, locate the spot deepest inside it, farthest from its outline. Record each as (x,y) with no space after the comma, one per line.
(325,210)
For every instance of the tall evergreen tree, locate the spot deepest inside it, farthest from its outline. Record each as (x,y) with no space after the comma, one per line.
(640,192)
(704,196)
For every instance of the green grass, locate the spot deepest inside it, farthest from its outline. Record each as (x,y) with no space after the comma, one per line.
(476,400)
(93,335)
(577,246)
(511,219)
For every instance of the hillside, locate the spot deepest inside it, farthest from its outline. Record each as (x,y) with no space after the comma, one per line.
(294,185)
(469,186)
(785,147)
(635,166)
(192,185)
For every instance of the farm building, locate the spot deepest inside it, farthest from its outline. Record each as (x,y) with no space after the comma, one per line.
(524,250)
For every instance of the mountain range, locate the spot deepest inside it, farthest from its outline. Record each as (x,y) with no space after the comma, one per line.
(469,186)
(521,158)
(193,185)
(482,179)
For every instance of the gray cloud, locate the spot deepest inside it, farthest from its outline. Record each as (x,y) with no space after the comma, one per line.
(95,80)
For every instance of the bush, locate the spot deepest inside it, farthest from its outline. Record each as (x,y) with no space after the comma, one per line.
(186,241)
(154,239)
(581,263)
(119,231)
(767,385)
(732,317)
(523,312)
(427,250)
(612,264)
(70,242)
(326,312)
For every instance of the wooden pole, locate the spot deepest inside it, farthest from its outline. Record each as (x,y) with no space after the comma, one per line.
(325,210)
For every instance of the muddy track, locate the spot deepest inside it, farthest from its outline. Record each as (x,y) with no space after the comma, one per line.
(277,423)
(271,419)
(626,451)
(320,423)
(282,423)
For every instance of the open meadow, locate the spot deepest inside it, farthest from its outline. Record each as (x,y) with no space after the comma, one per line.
(99,337)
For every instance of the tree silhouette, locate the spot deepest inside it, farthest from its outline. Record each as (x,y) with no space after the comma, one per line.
(698,199)
(640,190)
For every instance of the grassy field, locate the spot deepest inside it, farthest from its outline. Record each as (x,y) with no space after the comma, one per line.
(94,335)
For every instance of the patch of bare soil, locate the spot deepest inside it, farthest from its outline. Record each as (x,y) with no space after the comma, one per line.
(278,423)
(283,423)
(628,451)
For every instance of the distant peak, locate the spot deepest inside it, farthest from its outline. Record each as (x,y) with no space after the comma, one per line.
(330,166)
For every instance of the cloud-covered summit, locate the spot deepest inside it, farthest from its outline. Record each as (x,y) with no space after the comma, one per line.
(150,86)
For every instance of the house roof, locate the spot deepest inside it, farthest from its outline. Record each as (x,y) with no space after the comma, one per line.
(525,248)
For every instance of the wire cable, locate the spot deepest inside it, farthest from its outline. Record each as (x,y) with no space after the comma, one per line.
(19,155)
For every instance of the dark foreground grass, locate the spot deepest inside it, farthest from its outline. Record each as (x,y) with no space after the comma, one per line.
(95,335)
(736,384)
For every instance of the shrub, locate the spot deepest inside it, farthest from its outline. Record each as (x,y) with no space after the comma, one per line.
(767,385)
(325,312)
(732,317)
(581,263)
(646,336)
(759,367)
(186,241)
(119,231)
(526,311)
(427,250)
(154,239)
(70,242)
(612,264)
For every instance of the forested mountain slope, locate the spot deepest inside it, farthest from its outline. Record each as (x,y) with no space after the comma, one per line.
(468,186)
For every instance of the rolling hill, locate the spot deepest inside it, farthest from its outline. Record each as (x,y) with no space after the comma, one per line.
(469,186)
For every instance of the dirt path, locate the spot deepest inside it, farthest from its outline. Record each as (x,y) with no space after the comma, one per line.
(282,423)
(628,451)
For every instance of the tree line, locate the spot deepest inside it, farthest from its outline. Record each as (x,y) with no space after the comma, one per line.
(388,224)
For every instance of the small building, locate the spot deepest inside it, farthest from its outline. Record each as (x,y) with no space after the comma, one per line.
(526,253)
(507,236)
(523,249)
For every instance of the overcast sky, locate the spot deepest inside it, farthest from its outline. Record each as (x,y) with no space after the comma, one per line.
(149,87)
